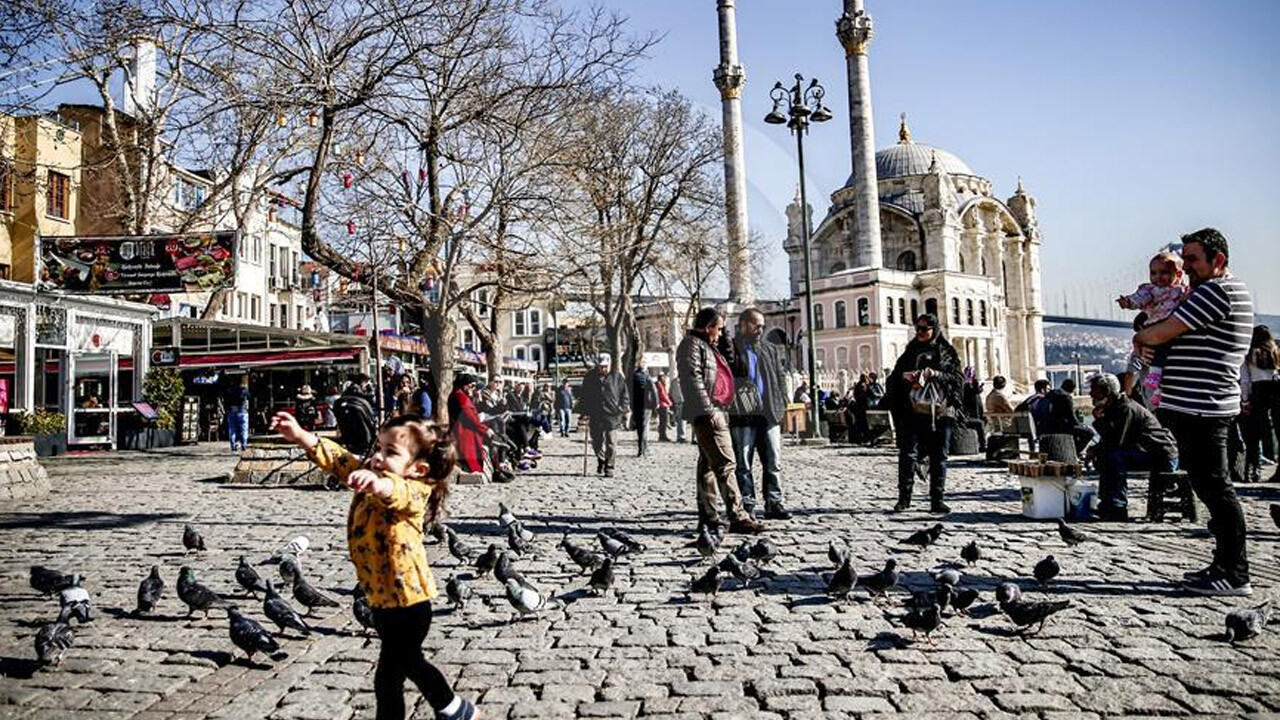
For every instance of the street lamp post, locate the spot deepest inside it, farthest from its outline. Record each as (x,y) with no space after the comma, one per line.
(801,105)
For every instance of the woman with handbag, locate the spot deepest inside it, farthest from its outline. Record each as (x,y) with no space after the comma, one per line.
(923,393)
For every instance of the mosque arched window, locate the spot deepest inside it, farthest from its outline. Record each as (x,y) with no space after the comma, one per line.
(902,311)
(968,311)
(841,315)
(888,311)
(907,261)
(864,311)
(955,311)
(931,306)
(817,316)
(982,313)
(915,309)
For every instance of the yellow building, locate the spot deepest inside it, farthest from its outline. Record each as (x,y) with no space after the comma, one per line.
(40,175)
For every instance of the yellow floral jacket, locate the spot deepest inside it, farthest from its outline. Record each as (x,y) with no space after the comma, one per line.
(384,536)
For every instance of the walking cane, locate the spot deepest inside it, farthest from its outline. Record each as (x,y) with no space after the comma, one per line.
(584,446)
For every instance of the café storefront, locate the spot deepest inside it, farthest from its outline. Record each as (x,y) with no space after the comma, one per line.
(81,357)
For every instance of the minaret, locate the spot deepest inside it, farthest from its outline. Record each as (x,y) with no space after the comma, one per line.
(729,78)
(854,31)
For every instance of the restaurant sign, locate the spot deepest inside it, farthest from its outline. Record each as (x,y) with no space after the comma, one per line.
(130,264)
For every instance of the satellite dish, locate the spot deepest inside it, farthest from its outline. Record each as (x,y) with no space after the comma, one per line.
(60,135)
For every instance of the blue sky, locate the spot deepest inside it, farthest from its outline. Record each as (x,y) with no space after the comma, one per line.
(1132,122)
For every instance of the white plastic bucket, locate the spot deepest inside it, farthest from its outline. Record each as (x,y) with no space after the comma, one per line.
(1043,497)
(1080,498)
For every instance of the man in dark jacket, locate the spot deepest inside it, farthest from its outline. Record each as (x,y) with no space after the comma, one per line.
(924,430)
(604,401)
(1130,438)
(1061,417)
(642,403)
(755,418)
(564,406)
(706,382)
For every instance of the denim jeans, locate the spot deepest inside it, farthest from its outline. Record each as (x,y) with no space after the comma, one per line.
(1202,450)
(563,415)
(766,439)
(678,419)
(238,428)
(1113,485)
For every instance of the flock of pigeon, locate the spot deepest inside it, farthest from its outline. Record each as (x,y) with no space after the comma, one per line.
(746,563)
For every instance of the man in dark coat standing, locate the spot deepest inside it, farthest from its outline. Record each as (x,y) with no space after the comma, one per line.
(642,403)
(756,415)
(604,402)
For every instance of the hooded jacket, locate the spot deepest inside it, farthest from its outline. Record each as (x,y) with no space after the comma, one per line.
(936,354)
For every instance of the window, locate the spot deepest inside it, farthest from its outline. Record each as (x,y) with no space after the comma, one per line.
(535,355)
(6,187)
(902,311)
(888,311)
(296,281)
(519,327)
(521,353)
(253,307)
(968,310)
(272,306)
(469,338)
(188,195)
(955,310)
(240,305)
(864,311)
(982,313)
(271,255)
(915,309)
(840,314)
(842,358)
(817,316)
(822,359)
(535,321)
(907,261)
(284,315)
(257,250)
(481,299)
(57,195)
(931,306)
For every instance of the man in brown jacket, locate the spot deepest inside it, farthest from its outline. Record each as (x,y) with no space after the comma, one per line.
(707,384)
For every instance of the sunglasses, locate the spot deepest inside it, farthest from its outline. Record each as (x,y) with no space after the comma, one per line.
(923,328)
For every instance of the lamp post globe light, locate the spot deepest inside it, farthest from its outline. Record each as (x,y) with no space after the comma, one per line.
(796,107)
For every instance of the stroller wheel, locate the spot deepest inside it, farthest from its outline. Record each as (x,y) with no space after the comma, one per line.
(533,463)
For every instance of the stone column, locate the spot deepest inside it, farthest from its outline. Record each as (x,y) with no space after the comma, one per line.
(729,77)
(854,31)
(1019,360)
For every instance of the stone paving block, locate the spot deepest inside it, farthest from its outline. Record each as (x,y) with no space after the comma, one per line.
(858,704)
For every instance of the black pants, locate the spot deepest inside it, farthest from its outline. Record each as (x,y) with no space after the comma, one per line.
(402,631)
(1202,452)
(919,436)
(641,420)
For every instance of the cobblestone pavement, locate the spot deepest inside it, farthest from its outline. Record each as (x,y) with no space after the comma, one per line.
(1130,645)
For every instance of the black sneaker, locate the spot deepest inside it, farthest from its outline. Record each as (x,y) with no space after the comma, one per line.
(937,507)
(1201,574)
(466,712)
(1218,584)
(902,506)
(775,511)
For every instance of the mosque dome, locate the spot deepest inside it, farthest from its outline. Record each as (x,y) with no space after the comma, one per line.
(908,158)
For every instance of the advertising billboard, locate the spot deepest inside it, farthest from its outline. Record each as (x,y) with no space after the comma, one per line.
(132,264)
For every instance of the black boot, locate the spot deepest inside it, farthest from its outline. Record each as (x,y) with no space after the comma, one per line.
(904,497)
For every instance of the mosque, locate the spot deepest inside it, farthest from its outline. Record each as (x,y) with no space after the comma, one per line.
(924,234)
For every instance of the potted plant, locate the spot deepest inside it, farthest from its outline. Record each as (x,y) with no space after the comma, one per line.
(162,388)
(48,429)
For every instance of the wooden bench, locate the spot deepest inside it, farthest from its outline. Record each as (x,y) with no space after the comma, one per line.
(880,429)
(837,428)
(1016,425)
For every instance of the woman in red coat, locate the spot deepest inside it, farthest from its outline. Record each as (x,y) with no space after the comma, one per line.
(468,432)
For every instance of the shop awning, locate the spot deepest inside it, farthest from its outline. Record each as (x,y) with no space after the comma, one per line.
(257,359)
(206,344)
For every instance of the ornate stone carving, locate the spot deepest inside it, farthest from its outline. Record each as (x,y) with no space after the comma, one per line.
(855,32)
(729,80)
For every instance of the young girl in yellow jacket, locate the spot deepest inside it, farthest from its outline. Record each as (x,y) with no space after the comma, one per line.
(401,484)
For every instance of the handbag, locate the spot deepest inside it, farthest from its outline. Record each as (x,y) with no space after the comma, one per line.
(930,400)
(746,398)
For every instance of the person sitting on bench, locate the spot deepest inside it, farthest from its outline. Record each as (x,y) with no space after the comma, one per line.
(1130,438)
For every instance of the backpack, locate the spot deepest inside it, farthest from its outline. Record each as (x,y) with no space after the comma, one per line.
(356,425)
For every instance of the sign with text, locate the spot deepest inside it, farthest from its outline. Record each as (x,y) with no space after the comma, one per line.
(132,264)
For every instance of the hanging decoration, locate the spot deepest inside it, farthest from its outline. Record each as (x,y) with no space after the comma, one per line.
(351,227)
(422,176)
(313,119)
(359,158)
(348,180)
(281,120)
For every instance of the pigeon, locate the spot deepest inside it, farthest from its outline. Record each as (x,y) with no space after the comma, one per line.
(73,603)
(582,557)
(924,620)
(843,580)
(519,528)
(458,548)
(1070,535)
(195,595)
(1275,514)
(294,547)
(527,600)
(924,538)
(612,547)
(249,635)
(971,553)
(709,583)
(963,599)
(516,541)
(602,577)
(279,611)
(943,596)
(506,518)
(304,593)
(760,553)
(946,576)
(877,584)
(504,571)
(836,554)
(52,640)
(487,560)
(1007,592)
(1246,623)
(1046,570)
(458,590)
(361,610)
(633,545)
(1025,613)
(290,569)
(150,590)
(249,578)
(743,572)
(192,540)
(706,542)
(47,581)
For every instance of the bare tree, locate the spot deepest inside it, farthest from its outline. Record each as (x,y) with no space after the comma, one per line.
(643,179)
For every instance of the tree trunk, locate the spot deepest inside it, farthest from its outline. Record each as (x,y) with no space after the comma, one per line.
(493,349)
(440,333)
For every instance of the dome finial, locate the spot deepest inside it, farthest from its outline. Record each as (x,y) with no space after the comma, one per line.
(1020,191)
(933,161)
(904,132)
(797,197)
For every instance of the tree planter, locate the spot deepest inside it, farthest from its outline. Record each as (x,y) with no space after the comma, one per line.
(162,438)
(145,439)
(50,445)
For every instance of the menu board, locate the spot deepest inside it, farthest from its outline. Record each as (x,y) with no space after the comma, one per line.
(131,264)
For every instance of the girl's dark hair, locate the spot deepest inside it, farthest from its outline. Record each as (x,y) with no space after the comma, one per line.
(705,318)
(1263,348)
(433,444)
